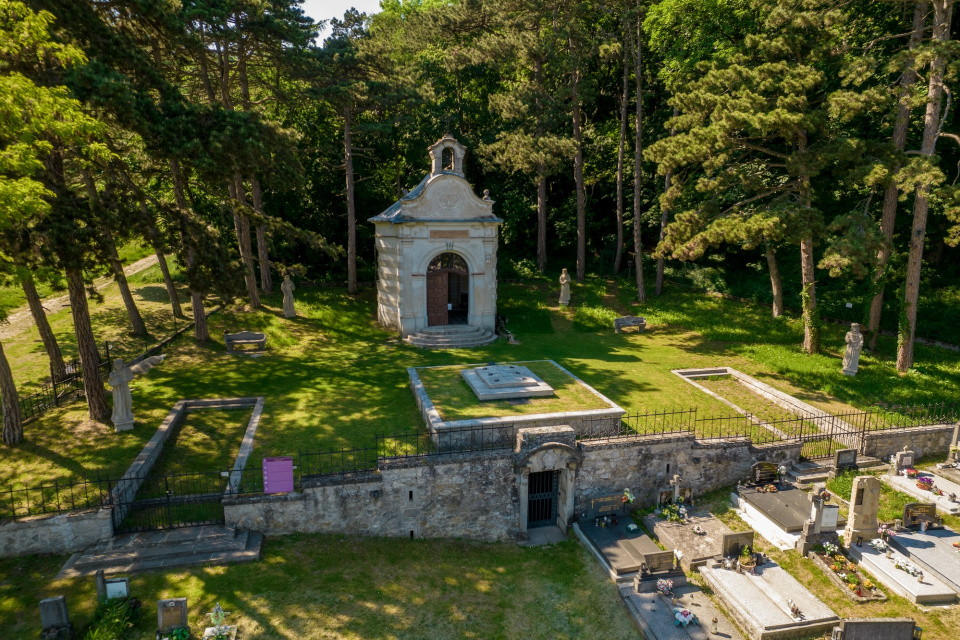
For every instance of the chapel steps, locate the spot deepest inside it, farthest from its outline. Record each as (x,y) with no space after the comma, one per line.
(167,549)
(808,472)
(451,336)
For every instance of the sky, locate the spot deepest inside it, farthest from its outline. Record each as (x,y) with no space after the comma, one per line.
(326,9)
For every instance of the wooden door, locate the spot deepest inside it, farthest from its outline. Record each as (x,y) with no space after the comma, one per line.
(437,299)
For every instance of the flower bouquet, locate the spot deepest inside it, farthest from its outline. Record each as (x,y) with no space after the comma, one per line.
(910,472)
(665,586)
(831,549)
(886,530)
(627,497)
(698,530)
(879,545)
(924,482)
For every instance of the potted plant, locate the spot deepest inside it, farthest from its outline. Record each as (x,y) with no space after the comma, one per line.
(747,560)
(925,483)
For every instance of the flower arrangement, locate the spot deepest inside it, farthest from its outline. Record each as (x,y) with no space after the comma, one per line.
(831,549)
(879,545)
(769,488)
(673,512)
(909,472)
(627,497)
(665,586)
(886,530)
(698,530)
(924,482)
(903,565)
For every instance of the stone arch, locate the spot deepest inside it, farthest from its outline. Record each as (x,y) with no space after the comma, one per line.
(550,456)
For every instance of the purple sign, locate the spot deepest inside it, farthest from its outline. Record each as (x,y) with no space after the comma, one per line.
(278,475)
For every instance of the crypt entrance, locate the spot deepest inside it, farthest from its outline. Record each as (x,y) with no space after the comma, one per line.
(448,290)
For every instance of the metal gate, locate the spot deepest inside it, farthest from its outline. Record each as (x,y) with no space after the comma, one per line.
(822,435)
(171,502)
(542,505)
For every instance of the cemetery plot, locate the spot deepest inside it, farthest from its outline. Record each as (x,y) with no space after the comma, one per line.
(206,439)
(623,547)
(935,552)
(662,617)
(895,571)
(779,516)
(769,602)
(928,487)
(700,537)
(854,583)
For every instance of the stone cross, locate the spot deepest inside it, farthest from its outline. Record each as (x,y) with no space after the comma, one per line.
(902,460)
(676,488)
(817,504)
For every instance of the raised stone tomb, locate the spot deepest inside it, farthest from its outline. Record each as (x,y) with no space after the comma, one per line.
(933,552)
(882,566)
(696,549)
(505,382)
(944,503)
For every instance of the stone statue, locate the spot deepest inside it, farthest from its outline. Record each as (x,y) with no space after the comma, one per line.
(564,288)
(119,380)
(287,287)
(851,357)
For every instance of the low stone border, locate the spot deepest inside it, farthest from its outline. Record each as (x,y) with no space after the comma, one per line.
(835,579)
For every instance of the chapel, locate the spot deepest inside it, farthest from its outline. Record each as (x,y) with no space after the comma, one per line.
(437,257)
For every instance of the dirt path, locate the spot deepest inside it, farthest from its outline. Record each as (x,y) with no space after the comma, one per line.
(20,319)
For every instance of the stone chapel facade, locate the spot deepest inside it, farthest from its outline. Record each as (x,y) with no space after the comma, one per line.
(437,251)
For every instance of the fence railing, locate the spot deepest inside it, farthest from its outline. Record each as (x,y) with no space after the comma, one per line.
(61,387)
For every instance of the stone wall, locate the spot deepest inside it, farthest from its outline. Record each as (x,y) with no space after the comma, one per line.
(63,533)
(925,441)
(468,495)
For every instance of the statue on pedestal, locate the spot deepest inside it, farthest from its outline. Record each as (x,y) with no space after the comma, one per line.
(119,380)
(564,288)
(288,287)
(851,356)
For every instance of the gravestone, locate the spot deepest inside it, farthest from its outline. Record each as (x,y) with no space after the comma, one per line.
(901,460)
(916,512)
(844,459)
(820,527)
(599,506)
(666,496)
(505,382)
(764,473)
(171,614)
(864,505)
(54,619)
(117,588)
(875,629)
(732,543)
(101,585)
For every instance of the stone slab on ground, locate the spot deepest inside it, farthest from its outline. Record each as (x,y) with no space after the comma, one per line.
(539,536)
(909,487)
(933,552)
(765,527)
(788,508)
(931,591)
(617,545)
(696,549)
(654,615)
(505,382)
(759,602)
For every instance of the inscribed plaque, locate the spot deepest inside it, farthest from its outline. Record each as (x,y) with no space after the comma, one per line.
(449,234)
(278,475)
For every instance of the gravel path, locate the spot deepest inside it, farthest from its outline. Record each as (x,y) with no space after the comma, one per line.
(21,319)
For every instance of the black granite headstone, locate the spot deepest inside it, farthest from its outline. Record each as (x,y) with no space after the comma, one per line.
(604,506)
(844,459)
(763,473)
(876,629)
(915,512)
(732,543)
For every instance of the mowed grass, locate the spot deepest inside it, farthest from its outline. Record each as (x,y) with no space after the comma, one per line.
(455,400)
(332,587)
(333,378)
(206,440)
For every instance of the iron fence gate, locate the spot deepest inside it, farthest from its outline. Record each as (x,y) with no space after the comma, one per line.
(542,504)
(172,502)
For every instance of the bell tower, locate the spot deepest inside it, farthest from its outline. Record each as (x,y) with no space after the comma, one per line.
(447,154)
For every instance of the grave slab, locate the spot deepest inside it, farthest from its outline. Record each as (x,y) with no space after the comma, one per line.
(696,549)
(654,614)
(760,602)
(788,508)
(931,591)
(618,546)
(505,382)
(933,551)
(909,487)
(767,528)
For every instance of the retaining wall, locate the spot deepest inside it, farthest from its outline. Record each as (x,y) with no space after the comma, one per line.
(925,441)
(62,533)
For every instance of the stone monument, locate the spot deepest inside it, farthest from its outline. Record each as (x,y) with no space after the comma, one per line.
(288,288)
(822,525)
(119,381)
(862,525)
(564,288)
(505,382)
(851,356)
(437,251)
(171,614)
(54,619)
(901,460)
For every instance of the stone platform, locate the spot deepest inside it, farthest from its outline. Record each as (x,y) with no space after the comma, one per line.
(622,551)
(654,614)
(788,508)
(930,591)
(933,552)
(505,382)
(909,487)
(696,549)
(763,525)
(759,602)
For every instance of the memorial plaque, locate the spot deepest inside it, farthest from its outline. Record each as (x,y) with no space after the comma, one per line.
(449,234)
(171,614)
(732,543)
(844,459)
(53,613)
(915,512)
(659,561)
(830,518)
(278,475)
(117,588)
(605,506)
(877,629)
(764,473)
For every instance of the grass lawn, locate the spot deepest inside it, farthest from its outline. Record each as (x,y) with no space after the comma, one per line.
(338,587)
(333,378)
(206,440)
(731,389)
(454,399)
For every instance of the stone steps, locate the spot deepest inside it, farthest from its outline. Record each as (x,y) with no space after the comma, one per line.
(186,547)
(457,336)
(805,473)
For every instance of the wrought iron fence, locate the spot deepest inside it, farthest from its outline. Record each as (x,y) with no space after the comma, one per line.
(333,462)
(55,497)
(61,387)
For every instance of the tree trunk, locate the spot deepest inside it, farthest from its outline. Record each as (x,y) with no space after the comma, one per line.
(49,340)
(263,253)
(808,275)
(775,283)
(12,422)
(638,167)
(87,346)
(161,260)
(541,219)
(136,321)
(241,224)
(891,195)
(200,332)
(942,13)
(664,217)
(351,205)
(578,171)
(620,151)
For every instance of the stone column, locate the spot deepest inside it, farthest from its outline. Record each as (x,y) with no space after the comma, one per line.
(524,501)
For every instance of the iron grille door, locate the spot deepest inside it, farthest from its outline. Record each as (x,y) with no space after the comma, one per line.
(542,508)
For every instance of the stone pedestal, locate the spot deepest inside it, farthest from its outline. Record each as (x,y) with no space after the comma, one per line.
(864,506)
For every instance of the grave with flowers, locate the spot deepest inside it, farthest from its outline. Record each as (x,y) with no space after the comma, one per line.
(696,536)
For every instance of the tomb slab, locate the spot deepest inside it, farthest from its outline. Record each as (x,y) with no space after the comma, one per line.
(505,382)
(788,508)
(931,590)
(933,552)
(909,487)
(696,549)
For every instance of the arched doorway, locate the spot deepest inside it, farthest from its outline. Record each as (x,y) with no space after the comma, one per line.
(448,297)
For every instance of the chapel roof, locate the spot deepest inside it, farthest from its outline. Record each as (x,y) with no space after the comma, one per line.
(394,213)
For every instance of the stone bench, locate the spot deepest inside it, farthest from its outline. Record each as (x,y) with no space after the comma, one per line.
(629,321)
(259,340)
